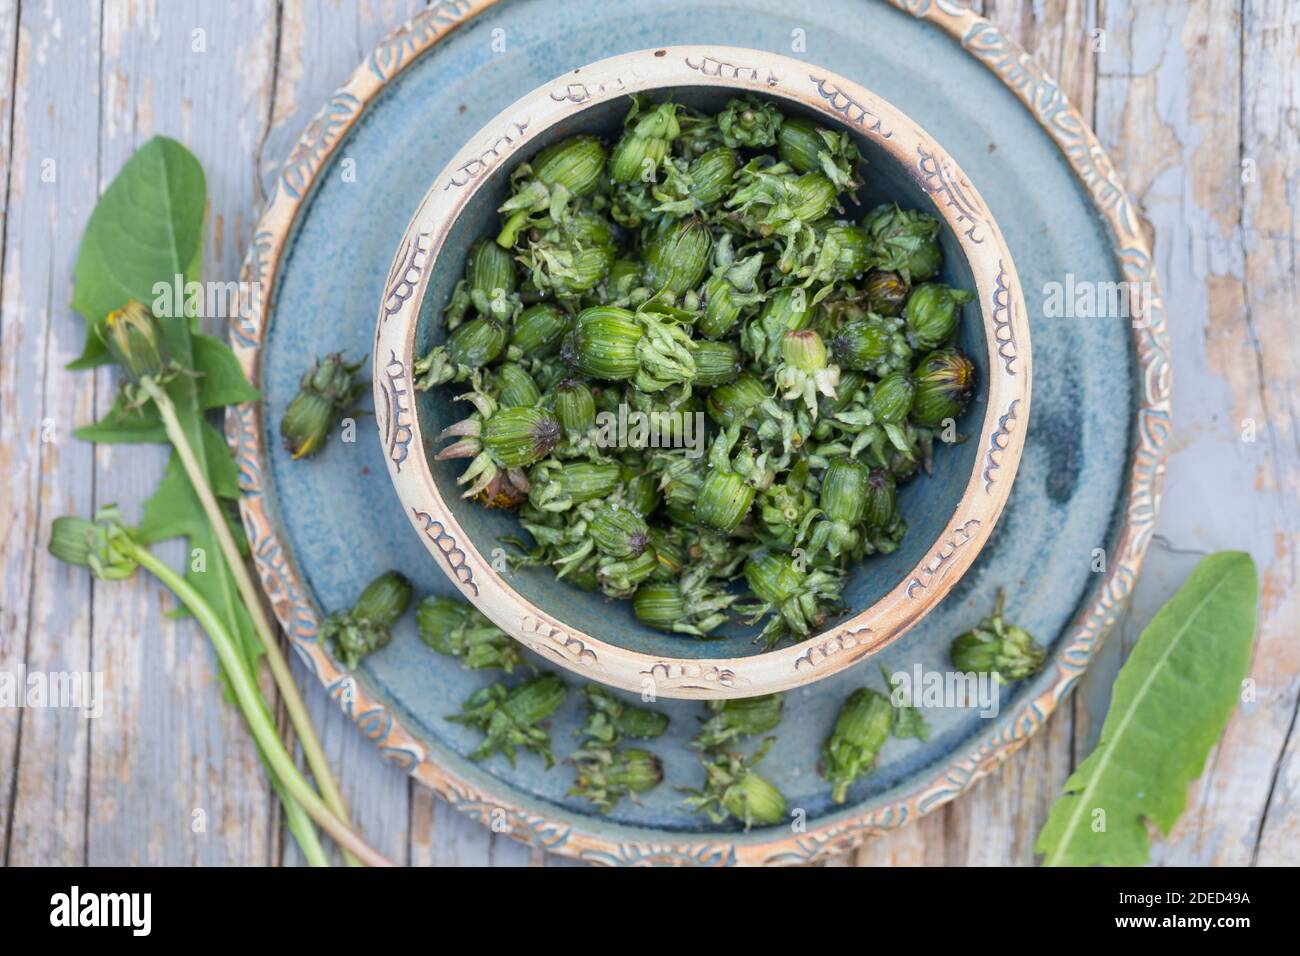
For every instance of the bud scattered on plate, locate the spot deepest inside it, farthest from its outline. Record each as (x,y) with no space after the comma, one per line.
(861,729)
(326,393)
(995,647)
(511,717)
(733,788)
(351,635)
(456,628)
(730,720)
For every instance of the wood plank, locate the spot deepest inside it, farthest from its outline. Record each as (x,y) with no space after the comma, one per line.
(45,615)
(1174,103)
(170,754)
(13,641)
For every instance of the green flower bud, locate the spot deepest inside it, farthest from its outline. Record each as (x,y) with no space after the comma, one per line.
(727,294)
(754,800)
(944,381)
(491,274)
(805,373)
(891,399)
(659,605)
(517,386)
(724,500)
(743,717)
(610,720)
(804,349)
(455,628)
(905,241)
(517,437)
(880,510)
(643,147)
(812,196)
(573,258)
(747,121)
(844,490)
(994,647)
(576,164)
(716,363)
(732,402)
(787,309)
(641,494)
(477,343)
(711,176)
(535,700)
(603,343)
(605,775)
(538,331)
(886,293)
(509,717)
(575,406)
(635,158)
(620,579)
(861,729)
(874,343)
(678,256)
(845,253)
(681,489)
(932,313)
(353,634)
(135,340)
(619,532)
(385,599)
(558,486)
(773,577)
(799,145)
(102,545)
(807,148)
(326,392)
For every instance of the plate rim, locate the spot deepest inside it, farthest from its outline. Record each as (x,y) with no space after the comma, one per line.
(557,831)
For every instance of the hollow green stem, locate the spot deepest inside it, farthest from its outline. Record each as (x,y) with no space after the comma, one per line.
(255,712)
(293,702)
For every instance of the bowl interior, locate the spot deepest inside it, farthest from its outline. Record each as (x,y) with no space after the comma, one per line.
(927,502)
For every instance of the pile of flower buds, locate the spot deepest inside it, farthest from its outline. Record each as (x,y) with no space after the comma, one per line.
(702,268)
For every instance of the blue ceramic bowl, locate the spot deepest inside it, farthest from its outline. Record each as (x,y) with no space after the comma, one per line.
(950,513)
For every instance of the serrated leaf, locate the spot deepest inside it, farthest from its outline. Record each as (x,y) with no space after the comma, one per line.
(121,426)
(146,228)
(222,380)
(1168,708)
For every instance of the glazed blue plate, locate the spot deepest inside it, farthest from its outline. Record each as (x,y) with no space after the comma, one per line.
(1086,486)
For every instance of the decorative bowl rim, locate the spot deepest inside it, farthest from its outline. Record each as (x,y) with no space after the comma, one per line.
(1006,387)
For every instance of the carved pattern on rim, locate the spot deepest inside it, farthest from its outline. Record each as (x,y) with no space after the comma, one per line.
(298,615)
(998,442)
(712,66)
(940,180)
(845,640)
(552,641)
(1003,331)
(395,413)
(854,113)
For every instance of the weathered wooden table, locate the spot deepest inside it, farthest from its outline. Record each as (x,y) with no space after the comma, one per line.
(1198,104)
